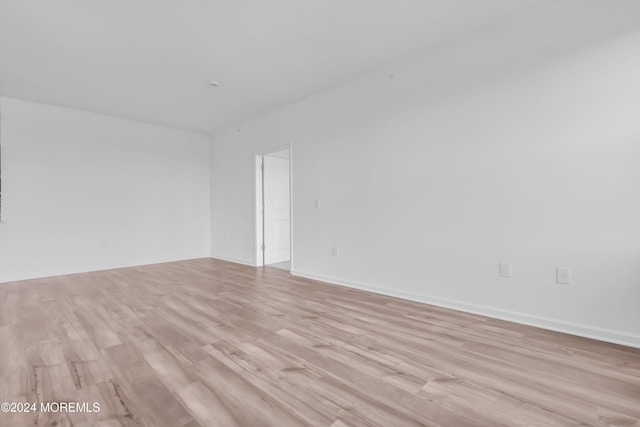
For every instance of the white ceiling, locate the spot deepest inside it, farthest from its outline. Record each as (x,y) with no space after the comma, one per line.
(151,60)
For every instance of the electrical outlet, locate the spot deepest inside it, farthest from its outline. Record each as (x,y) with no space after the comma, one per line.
(504,269)
(316,204)
(563,275)
(334,251)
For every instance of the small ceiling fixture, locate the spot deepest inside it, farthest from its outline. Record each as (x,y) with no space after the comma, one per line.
(214,83)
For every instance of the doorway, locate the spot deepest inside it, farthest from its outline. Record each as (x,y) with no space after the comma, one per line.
(274,209)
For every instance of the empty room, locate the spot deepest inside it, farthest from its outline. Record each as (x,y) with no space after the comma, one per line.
(335,213)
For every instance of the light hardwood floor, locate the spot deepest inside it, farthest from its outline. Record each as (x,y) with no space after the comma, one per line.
(212,343)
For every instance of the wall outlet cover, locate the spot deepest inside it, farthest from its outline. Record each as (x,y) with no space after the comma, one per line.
(563,275)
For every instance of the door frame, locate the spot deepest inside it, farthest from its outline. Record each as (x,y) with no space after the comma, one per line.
(258,203)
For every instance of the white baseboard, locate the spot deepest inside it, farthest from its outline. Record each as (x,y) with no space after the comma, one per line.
(577,329)
(234,260)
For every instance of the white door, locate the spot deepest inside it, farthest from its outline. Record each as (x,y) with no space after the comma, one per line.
(276,210)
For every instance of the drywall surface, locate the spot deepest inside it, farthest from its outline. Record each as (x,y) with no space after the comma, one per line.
(431,172)
(84,192)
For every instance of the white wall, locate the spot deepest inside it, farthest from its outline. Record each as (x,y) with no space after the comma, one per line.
(468,156)
(84,192)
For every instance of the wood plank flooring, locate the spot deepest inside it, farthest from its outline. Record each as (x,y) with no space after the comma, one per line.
(211,343)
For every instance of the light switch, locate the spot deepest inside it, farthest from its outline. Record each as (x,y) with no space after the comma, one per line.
(504,269)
